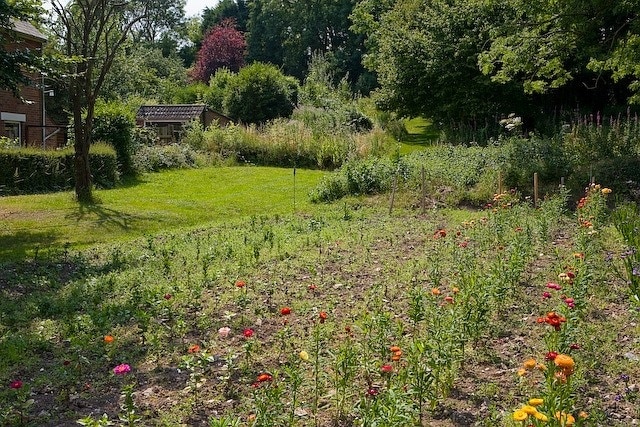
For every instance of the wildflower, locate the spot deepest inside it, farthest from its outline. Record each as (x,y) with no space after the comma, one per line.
(15,384)
(520,415)
(386,369)
(168,296)
(194,348)
(455,290)
(551,356)
(529,410)
(247,332)
(394,348)
(565,419)
(396,355)
(565,363)
(108,339)
(578,255)
(312,287)
(440,233)
(373,391)
(536,401)
(546,295)
(304,355)
(570,302)
(264,377)
(554,320)
(448,299)
(606,191)
(284,311)
(521,372)
(529,364)
(540,416)
(571,275)
(541,367)
(555,286)
(435,291)
(122,369)
(583,415)
(224,332)
(323,316)
(463,244)
(241,284)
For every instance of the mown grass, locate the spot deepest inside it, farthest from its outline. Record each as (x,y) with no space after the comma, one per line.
(421,133)
(147,205)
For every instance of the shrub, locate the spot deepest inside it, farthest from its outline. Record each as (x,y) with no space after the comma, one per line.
(259,93)
(161,157)
(29,170)
(114,124)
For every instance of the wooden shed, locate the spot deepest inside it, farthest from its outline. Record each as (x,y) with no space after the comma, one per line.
(169,119)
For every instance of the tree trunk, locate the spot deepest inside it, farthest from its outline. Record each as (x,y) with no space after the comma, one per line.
(81,144)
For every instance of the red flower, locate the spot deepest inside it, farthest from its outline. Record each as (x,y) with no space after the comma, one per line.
(551,355)
(463,244)
(16,384)
(240,284)
(546,295)
(248,332)
(373,391)
(264,377)
(449,299)
(168,296)
(323,316)
(575,346)
(555,286)
(194,348)
(440,233)
(284,311)
(312,287)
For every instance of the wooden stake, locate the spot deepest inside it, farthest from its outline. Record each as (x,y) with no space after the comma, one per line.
(535,190)
(423,202)
(393,192)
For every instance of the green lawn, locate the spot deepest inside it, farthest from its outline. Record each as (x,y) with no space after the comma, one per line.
(421,133)
(153,203)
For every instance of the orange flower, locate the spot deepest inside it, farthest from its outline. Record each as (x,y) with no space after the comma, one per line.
(241,284)
(435,291)
(108,339)
(394,348)
(323,316)
(194,348)
(264,377)
(529,364)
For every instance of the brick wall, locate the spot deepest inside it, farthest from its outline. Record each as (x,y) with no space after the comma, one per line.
(31,108)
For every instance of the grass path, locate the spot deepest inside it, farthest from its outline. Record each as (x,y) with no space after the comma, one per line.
(153,203)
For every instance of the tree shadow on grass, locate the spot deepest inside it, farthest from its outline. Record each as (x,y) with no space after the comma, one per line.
(422,134)
(21,244)
(103,216)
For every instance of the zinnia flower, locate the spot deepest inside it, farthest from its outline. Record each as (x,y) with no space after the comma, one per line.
(122,369)
(520,415)
(284,311)
(224,332)
(15,384)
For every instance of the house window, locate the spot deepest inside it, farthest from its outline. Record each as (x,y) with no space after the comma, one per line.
(13,130)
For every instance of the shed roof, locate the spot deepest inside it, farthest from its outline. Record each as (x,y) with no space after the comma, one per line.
(175,112)
(27,29)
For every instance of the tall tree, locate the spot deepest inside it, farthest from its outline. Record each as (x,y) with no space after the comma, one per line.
(91,34)
(223,47)
(163,17)
(225,9)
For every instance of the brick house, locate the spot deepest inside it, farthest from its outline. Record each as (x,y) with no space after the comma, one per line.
(26,119)
(169,120)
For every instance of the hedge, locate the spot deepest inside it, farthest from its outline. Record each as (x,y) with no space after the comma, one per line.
(30,170)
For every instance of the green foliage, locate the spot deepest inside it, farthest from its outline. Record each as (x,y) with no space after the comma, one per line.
(29,171)
(259,93)
(220,81)
(153,158)
(114,124)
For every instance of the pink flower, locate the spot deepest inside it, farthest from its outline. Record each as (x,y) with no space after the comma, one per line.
(248,332)
(16,384)
(373,391)
(122,369)
(386,369)
(555,286)
(224,331)
(285,311)
(546,295)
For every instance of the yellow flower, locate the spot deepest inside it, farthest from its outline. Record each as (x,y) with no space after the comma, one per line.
(521,372)
(536,401)
(529,364)
(304,355)
(530,410)
(606,191)
(540,416)
(583,415)
(541,367)
(520,415)
(565,419)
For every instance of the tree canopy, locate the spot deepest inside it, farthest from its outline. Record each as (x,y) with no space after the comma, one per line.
(223,47)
